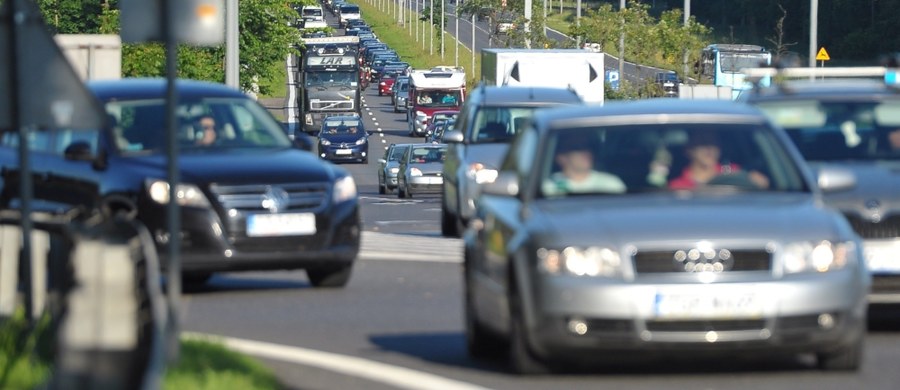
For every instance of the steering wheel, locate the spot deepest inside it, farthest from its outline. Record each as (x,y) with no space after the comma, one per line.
(740,180)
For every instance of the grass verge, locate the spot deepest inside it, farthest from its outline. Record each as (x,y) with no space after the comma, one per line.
(26,361)
(418,53)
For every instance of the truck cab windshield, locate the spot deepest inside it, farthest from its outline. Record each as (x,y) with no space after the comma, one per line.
(329,79)
(439,98)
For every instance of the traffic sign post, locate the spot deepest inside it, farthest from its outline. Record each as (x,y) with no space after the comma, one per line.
(822,56)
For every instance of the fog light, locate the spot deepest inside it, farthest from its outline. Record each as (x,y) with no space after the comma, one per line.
(578,326)
(712,336)
(162,237)
(323,155)
(826,321)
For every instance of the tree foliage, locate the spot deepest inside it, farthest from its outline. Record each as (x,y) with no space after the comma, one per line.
(266,38)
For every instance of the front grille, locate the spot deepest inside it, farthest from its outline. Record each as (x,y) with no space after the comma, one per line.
(339,105)
(722,261)
(886,228)
(885,284)
(802,323)
(250,198)
(705,325)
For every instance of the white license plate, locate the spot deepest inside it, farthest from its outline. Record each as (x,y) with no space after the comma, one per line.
(677,306)
(343,151)
(882,256)
(266,225)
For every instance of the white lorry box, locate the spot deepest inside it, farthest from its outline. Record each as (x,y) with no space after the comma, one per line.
(581,70)
(704,91)
(93,56)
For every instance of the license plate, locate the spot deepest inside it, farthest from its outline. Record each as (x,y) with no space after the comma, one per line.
(882,256)
(267,225)
(343,151)
(675,306)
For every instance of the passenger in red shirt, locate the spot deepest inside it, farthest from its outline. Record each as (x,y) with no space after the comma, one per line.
(704,153)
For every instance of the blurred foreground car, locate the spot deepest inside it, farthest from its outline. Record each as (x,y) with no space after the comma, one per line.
(250,199)
(420,170)
(581,254)
(850,124)
(389,166)
(343,138)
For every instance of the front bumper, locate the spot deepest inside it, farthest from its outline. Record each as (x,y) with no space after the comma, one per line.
(210,243)
(421,184)
(344,153)
(795,315)
(883,260)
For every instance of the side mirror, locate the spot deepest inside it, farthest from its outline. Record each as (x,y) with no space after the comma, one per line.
(835,179)
(382,161)
(453,137)
(506,184)
(303,142)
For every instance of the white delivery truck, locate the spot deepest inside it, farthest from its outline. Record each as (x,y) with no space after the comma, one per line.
(581,70)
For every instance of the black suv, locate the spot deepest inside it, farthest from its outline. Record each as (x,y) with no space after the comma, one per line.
(250,199)
(480,137)
(854,125)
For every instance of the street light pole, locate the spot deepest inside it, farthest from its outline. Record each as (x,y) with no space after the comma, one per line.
(578,22)
(813,33)
(456,18)
(622,40)
(443,5)
(687,19)
(431,28)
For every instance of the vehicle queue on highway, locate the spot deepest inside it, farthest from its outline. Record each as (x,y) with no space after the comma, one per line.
(659,226)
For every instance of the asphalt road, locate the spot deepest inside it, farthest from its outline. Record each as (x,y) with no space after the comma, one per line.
(398,324)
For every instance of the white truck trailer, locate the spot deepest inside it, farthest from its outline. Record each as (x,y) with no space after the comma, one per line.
(579,69)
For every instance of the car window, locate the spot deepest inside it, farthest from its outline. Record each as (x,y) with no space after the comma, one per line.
(651,158)
(838,131)
(237,122)
(498,124)
(397,153)
(427,155)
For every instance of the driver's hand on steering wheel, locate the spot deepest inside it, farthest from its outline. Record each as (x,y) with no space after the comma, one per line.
(759,179)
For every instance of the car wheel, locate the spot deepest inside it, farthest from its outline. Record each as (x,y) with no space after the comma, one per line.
(448,224)
(847,358)
(480,342)
(401,193)
(329,275)
(382,189)
(521,359)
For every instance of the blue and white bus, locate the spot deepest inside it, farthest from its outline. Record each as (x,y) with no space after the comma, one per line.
(722,63)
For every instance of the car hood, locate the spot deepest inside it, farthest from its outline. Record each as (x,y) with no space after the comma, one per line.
(342,138)
(488,154)
(246,166)
(432,168)
(656,219)
(877,187)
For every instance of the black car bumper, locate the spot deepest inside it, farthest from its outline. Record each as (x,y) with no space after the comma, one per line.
(213,244)
(350,153)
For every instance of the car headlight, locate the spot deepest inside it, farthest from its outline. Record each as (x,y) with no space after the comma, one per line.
(415,172)
(823,256)
(361,141)
(324,141)
(481,174)
(344,189)
(421,116)
(395,170)
(590,261)
(186,194)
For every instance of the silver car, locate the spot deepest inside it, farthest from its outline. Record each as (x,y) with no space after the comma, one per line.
(664,227)
(388,166)
(852,125)
(420,170)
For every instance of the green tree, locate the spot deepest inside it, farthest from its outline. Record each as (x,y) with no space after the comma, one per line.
(266,39)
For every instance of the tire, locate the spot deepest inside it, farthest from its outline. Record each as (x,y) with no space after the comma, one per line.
(382,189)
(330,276)
(401,193)
(521,359)
(847,358)
(448,224)
(480,342)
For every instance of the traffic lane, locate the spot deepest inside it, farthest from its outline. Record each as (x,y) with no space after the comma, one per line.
(409,314)
(419,215)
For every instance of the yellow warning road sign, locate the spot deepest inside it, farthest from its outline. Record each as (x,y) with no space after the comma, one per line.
(823,55)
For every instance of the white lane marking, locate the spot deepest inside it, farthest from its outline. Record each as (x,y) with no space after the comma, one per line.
(380,133)
(383,141)
(376,123)
(379,129)
(405,256)
(347,365)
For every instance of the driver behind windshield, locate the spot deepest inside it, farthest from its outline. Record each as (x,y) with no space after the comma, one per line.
(703,153)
